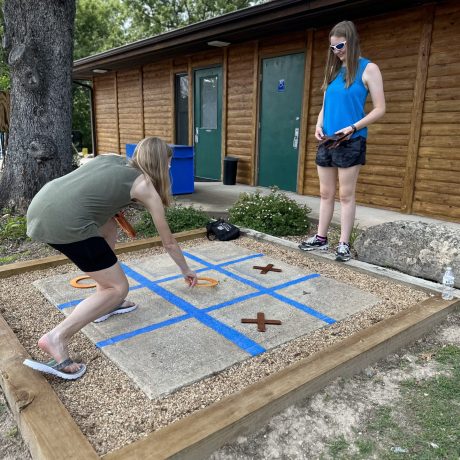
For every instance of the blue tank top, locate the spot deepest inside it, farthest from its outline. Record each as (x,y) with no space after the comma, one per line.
(345,106)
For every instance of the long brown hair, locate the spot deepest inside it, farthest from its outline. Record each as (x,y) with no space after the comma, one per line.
(151,156)
(347,30)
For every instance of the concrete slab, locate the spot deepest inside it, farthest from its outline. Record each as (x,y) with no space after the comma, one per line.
(180,335)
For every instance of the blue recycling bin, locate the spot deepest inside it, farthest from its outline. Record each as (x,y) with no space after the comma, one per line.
(182,168)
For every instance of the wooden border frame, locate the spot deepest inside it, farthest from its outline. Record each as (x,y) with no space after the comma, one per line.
(33,400)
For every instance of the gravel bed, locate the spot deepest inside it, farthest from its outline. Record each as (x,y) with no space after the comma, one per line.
(112,412)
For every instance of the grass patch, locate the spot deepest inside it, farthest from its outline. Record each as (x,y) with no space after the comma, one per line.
(9,259)
(424,423)
(338,447)
(180,218)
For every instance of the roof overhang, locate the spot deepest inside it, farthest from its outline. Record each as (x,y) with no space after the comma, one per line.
(257,22)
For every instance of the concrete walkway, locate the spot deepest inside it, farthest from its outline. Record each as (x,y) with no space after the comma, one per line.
(214,197)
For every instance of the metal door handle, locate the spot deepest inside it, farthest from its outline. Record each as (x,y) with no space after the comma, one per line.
(196,135)
(295,141)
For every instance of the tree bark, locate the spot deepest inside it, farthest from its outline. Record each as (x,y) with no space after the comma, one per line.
(39,43)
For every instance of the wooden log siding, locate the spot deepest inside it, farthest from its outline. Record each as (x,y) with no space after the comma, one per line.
(437,184)
(105,106)
(413,153)
(130,108)
(158,100)
(241,107)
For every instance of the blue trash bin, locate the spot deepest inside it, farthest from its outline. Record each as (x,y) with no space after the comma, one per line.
(130,150)
(182,168)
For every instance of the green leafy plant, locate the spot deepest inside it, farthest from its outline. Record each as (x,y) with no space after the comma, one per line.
(13,227)
(275,214)
(180,218)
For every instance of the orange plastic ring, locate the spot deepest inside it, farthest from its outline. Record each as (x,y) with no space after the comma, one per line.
(211,282)
(125,225)
(76,282)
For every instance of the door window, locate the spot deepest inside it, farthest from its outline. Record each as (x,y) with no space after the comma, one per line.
(208,107)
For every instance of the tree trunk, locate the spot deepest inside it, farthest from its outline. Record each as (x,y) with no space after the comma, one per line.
(39,42)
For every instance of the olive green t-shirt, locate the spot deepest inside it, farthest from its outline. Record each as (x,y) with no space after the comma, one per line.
(73,207)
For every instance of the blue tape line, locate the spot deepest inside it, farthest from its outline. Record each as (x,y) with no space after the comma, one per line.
(142,330)
(265,290)
(230,334)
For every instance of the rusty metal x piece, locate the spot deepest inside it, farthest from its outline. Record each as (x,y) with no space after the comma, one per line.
(261,321)
(268,268)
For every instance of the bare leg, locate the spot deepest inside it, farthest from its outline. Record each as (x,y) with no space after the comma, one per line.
(112,288)
(327,184)
(348,178)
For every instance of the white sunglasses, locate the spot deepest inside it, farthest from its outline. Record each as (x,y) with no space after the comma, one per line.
(338,47)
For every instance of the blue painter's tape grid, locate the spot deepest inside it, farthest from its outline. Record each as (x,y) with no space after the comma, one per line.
(201,315)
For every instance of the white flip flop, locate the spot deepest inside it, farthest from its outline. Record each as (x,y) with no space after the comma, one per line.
(117,311)
(52,367)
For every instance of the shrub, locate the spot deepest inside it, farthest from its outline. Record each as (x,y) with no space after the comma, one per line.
(13,227)
(180,218)
(275,214)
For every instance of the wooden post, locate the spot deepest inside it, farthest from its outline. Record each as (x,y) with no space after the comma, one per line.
(224,109)
(255,112)
(305,112)
(417,110)
(141,85)
(116,113)
(191,127)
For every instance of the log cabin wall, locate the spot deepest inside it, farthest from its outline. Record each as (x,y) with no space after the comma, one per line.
(242,90)
(437,177)
(413,152)
(106,113)
(130,107)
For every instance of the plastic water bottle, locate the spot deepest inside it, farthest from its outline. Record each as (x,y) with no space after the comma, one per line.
(448,281)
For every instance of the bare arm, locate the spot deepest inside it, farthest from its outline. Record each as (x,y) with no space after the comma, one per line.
(143,191)
(319,134)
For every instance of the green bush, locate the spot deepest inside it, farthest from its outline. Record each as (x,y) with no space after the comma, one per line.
(13,227)
(275,214)
(180,218)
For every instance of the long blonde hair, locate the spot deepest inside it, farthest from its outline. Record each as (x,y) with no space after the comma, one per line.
(333,64)
(151,156)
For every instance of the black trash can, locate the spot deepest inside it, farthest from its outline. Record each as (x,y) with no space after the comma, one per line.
(230,166)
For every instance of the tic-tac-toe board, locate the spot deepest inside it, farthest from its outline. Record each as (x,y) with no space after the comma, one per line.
(179,335)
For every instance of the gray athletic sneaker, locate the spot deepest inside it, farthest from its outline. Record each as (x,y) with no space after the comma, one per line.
(314,243)
(342,252)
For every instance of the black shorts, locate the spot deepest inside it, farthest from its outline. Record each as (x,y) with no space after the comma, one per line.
(348,153)
(89,255)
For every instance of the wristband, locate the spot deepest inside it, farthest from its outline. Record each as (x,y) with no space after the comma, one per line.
(354,129)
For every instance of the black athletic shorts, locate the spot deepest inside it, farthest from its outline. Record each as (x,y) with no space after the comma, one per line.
(89,255)
(348,153)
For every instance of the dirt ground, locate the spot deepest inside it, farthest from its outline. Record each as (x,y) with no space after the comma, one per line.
(305,431)
(288,436)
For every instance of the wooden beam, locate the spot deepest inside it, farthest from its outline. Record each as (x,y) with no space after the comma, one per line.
(200,434)
(117,121)
(224,110)
(120,248)
(172,78)
(191,128)
(141,88)
(305,111)
(255,113)
(417,110)
(46,426)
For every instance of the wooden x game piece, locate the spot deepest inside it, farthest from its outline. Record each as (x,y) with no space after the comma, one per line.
(268,268)
(261,321)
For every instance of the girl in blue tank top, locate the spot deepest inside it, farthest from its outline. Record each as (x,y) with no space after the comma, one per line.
(348,79)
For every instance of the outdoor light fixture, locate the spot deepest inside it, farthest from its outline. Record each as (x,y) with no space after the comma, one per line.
(100,70)
(218,43)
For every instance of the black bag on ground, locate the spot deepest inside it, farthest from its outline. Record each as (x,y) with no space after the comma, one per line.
(221,230)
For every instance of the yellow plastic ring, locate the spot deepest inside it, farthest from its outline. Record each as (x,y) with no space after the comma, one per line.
(211,282)
(75,282)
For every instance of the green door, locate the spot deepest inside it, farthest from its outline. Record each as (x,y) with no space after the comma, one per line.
(280,109)
(208,121)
